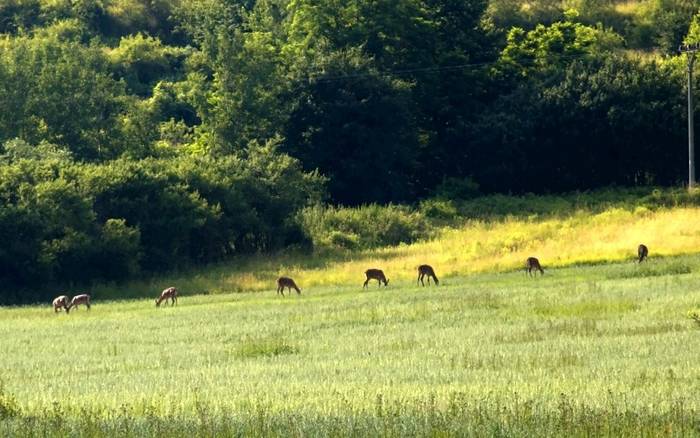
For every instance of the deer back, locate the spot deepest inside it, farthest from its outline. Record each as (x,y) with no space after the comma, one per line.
(286,282)
(426,269)
(642,251)
(376,274)
(532,262)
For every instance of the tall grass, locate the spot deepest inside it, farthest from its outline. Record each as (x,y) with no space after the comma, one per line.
(471,246)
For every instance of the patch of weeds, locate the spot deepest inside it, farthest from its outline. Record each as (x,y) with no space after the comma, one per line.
(586,309)
(252,348)
(648,330)
(695,316)
(9,407)
(651,270)
(550,330)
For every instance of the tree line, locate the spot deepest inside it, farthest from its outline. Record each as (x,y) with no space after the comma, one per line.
(142,135)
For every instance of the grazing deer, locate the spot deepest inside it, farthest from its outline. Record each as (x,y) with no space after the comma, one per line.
(533,263)
(61,301)
(642,252)
(79,299)
(375,274)
(424,270)
(287,282)
(169,293)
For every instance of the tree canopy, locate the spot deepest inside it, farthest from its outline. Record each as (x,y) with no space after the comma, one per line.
(140,135)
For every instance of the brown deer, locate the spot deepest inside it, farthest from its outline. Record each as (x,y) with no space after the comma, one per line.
(169,293)
(376,274)
(424,270)
(642,252)
(61,301)
(287,282)
(533,264)
(79,299)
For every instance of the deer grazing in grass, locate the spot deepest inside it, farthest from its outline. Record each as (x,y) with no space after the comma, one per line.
(167,294)
(533,264)
(424,270)
(287,282)
(60,301)
(79,299)
(375,274)
(642,253)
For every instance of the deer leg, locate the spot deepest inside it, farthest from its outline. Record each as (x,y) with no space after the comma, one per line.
(417,281)
(365,285)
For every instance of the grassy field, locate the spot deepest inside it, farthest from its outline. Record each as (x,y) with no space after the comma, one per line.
(588,350)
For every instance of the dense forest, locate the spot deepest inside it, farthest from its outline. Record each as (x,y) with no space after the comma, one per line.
(144,135)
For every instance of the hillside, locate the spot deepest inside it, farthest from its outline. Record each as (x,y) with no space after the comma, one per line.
(140,137)
(475,246)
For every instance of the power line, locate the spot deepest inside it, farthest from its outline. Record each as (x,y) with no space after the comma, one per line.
(434,69)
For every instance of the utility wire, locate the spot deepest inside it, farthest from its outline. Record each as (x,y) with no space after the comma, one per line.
(436,68)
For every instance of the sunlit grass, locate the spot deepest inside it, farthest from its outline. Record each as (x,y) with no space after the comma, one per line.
(476,247)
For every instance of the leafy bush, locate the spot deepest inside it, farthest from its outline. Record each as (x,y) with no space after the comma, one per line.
(439,209)
(369,226)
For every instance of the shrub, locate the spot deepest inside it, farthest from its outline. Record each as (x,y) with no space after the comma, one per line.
(439,209)
(369,226)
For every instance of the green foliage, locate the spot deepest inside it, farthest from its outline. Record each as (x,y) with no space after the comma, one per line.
(65,222)
(364,227)
(367,121)
(670,20)
(439,208)
(52,78)
(548,48)
(581,108)
(142,61)
(457,188)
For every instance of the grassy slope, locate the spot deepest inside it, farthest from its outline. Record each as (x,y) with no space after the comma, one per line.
(478,246)
(601,349)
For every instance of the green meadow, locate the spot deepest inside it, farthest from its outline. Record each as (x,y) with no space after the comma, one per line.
(585,350)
